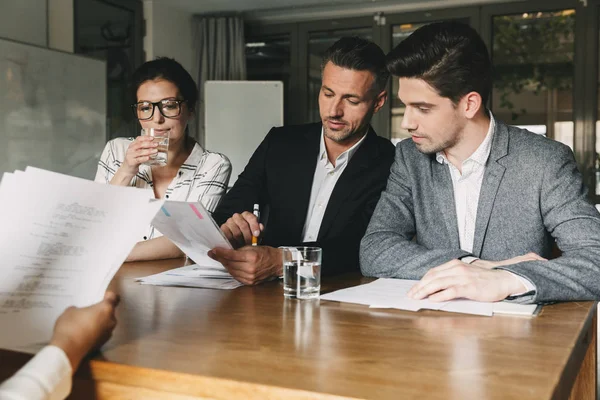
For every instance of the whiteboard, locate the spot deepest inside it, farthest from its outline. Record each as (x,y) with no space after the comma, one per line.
(53,110)
(237,117)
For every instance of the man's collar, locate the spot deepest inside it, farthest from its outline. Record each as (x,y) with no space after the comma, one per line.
(346,155)
(481,155)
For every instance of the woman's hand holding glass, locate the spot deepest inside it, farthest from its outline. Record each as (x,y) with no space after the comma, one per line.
(138,152)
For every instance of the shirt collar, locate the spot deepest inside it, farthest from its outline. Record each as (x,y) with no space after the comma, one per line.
(482,153)
(345,157)
(195,156)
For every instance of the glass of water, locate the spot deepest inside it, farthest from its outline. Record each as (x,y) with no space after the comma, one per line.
(161,136)
(302,272)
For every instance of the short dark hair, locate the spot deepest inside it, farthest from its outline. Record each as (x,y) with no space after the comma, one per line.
(360,55)
(450,56)
(169,70)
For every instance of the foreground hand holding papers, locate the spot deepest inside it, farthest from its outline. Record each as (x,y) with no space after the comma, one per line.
(62,241)
(191,228)
(391,293)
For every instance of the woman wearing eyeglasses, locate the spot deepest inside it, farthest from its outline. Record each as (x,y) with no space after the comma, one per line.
(166,97)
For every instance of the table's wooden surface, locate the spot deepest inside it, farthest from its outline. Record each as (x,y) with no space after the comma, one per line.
(252,343)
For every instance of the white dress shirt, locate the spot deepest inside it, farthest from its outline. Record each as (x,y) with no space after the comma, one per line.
(467,187)
(324,180)
(47,376)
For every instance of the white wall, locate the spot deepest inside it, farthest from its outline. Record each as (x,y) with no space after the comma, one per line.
(24,21)
(168,33)
(61,25)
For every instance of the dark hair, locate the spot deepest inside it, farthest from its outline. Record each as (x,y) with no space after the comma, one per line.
(450,56)
(360,55)
(169,70)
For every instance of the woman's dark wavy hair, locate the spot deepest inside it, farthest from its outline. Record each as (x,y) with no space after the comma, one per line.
(169,70)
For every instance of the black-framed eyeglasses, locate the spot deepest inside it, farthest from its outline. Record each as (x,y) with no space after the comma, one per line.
(169,108)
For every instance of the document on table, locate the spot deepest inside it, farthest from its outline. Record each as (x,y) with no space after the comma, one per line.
(391,293)
(193,276)
(62,240)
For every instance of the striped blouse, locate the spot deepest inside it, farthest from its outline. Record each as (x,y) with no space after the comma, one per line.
(203,176)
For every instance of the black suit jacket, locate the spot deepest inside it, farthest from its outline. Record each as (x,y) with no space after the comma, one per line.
(279,177)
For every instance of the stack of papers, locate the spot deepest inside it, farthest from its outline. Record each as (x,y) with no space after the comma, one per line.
(193,276)
(391,293)
(62,240)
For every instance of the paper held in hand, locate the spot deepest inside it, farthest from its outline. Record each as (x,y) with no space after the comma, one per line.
(62,241)
(191,228)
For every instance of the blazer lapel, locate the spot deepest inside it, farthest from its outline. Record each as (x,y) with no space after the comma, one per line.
(444,199)
(348,181)
(492,177)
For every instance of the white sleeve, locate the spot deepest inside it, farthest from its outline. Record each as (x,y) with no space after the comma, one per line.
(213,185)
(106,164)
(529,286)
(111,159)
(47,376)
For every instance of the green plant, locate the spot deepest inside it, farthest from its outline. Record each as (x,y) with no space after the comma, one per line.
(532,52)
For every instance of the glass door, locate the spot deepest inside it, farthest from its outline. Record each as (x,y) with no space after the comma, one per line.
(268,58)
(112,32)
(533,57)
(543,58)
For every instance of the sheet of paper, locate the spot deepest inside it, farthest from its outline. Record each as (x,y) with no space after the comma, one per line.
(195,275)
(382,293)
(504,307)
(192,229)
(62,241)
(6,184)
(391,293)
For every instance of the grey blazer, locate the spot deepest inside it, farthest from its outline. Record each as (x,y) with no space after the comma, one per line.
(532,194)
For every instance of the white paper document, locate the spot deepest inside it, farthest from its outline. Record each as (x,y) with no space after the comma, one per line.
(391,293)
(62,240)
(193,276)
(192,229)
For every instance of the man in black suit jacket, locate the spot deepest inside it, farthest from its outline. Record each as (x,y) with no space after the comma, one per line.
(319,182)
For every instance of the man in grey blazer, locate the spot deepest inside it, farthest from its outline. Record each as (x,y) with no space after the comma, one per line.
(472,206)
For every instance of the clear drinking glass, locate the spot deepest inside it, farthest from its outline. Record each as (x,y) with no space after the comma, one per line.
(302,272)
(161,136)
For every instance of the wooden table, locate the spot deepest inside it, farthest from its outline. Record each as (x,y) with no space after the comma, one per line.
(251,343)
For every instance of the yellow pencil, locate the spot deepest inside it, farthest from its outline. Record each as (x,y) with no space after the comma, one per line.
(257,213)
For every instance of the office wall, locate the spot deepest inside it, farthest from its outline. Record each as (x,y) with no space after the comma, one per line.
(61,25)
(53,110)
(24,21)
(168,33)
(44,23)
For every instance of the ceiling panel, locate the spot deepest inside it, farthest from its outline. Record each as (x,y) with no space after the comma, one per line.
(211,6)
